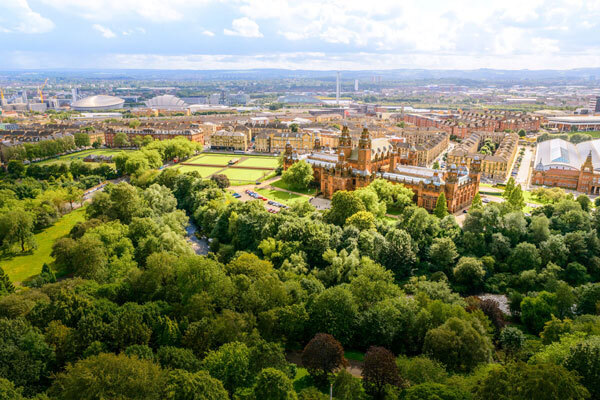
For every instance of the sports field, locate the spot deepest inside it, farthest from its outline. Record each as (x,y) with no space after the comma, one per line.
(264,162)
(21,267)
(215,159)
(80,155)
(203,171)
(249,175)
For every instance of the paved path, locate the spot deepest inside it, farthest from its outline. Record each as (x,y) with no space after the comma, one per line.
(200,246)
(523,174)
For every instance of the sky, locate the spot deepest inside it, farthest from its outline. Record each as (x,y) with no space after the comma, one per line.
(299,34)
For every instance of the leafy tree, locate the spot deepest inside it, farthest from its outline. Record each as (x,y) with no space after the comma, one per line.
(362,220)
(343,205)
(420,369)
(584,202)
(469,273)
(221,180)
(458,345)
(16,168)
(16,227)
(109,376)
(82,139)
(6,286)
(554,329)
(588,298)
(535,311)
(347,387)
(477,203)
(584,358)
(516,199)
(8,391)
(524,256)
(435,391)
(379,371)
(184,385)
(26,357)
(171,357)
(335,311)
(299,175)
(322,356)
(121,140)
(511,340)
(529,382)
(441,206)
(74,195)
(443,253)
(229,364)
(272,384)
(510,185)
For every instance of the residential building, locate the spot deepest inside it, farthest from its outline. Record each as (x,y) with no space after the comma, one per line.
(227,140)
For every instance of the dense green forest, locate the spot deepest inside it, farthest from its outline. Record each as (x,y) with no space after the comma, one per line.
(284,302)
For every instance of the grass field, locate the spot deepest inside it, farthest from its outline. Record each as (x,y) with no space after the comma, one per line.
(215,159)
(282,197)
(264,162)
(281,185)
(249,175)
(80,155)
(203,171)
(21,267)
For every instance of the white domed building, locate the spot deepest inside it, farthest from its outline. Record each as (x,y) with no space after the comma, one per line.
(98,103)
(166,102)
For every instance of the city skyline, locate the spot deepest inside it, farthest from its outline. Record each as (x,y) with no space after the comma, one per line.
(351,35)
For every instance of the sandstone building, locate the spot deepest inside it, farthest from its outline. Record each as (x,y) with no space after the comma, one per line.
(352,167)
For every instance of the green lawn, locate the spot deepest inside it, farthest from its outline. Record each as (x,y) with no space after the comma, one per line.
(80,155)
(215,159)
(21,267)
(282,197)
(302,380)
(244,174)
(280,184)
(264,162)
(203,171)
(354,355)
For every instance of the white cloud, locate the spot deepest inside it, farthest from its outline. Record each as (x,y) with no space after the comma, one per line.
(139,30)
(244,27)
(106,32)
(17,17)
(208,33)
(153,10)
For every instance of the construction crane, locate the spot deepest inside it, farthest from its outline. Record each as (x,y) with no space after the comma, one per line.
(41,90)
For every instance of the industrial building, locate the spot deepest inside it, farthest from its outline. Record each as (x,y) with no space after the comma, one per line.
(166,102)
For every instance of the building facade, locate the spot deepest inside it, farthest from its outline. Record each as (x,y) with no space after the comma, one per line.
(494,166)
(563,164)
(193,134)
(226,140)
(352,167)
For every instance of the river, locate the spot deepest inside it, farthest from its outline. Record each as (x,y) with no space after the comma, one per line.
(200,246)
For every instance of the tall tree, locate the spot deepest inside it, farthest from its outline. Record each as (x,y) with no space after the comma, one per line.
(16,227)
(379,371)
(477,204)
(441,206)
(322,356)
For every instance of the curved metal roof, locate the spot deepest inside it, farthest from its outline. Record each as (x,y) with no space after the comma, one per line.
(166,101)
(100,101)
(558,153)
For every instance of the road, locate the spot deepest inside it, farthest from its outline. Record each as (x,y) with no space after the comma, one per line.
(522,177)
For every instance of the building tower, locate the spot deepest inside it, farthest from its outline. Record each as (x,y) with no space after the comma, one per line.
(356,85)
(337,89)
(364,151)
(597,109)
(74,95)
(345,143)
